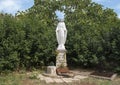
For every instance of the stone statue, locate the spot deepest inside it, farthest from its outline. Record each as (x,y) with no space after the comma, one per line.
(61,34)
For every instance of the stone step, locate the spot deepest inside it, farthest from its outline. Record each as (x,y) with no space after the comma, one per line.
(80,77)
(58,80)
(75,79)
(49,80)
(67,80)
(41,77)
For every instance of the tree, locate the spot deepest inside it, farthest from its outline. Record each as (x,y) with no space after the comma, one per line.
(89,27)
(28,40)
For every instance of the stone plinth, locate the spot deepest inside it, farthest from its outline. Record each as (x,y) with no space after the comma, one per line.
(61,58)
(51,70)
(61,80)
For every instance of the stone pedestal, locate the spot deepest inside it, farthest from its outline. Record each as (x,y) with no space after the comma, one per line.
(61,58)
(51,70)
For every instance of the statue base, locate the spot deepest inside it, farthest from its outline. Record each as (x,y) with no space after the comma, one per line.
(51,71)
(61,59)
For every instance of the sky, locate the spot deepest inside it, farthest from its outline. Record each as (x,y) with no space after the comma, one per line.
(12,6)
(113,4)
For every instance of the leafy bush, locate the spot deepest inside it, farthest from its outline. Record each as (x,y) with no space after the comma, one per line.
(28,40)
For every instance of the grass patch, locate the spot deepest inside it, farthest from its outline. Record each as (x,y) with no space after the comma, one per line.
(11,79)
(20,78)
(95,81)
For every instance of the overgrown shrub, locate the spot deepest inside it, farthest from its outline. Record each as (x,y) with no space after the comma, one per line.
(28,40)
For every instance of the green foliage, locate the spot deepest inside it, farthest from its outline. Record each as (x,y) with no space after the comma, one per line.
(90,35)
(28,40)
(33,75)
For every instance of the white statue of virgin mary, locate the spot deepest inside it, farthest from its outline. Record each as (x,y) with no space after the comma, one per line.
(61,34)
